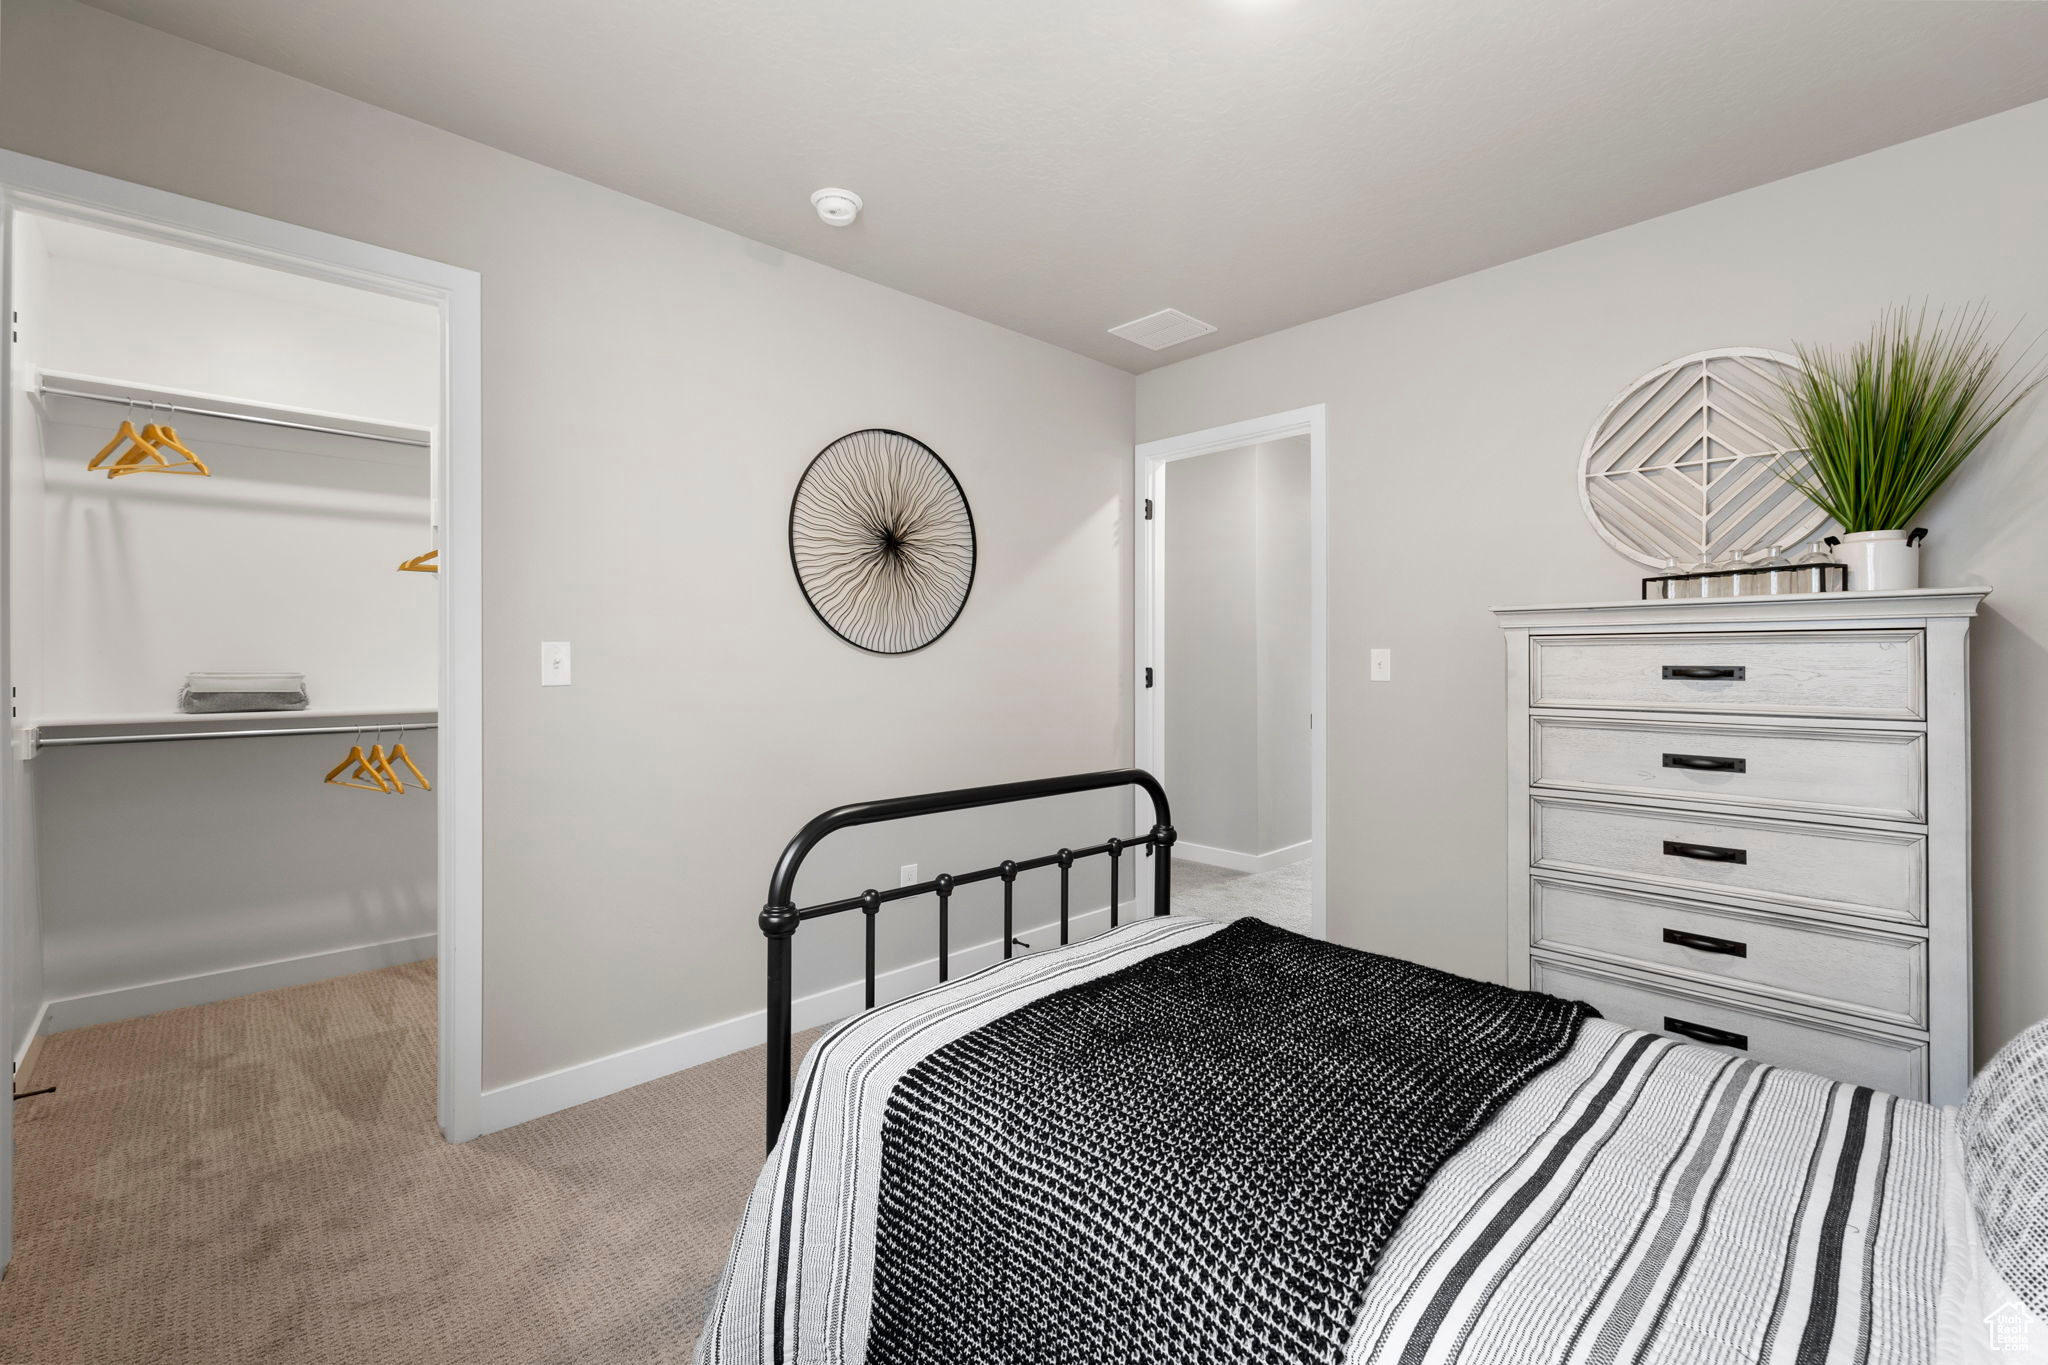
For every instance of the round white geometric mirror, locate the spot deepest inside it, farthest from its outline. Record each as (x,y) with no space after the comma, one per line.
(1682,466)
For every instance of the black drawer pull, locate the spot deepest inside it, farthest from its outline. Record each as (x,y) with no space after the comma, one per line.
(1701,943)
(1706,763)
(1706,853)
(1728,672)
(1700,1033)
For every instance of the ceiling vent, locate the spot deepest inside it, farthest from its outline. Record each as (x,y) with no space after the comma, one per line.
(1167,327)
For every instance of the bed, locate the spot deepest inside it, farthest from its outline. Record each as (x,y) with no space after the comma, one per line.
(1187,1142)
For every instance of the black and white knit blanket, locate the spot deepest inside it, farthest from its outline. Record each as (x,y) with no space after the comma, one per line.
(1642,1201)
(1208,1148)
(1197,1156)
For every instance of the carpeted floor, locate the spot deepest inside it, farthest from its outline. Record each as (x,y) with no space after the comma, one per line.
(261,1180)
(1280,897)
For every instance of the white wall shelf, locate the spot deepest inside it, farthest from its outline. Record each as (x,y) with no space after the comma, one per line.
(30,739)
(60,384)
(184,720)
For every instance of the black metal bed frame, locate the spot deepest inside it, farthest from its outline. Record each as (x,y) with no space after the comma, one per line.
(780,916)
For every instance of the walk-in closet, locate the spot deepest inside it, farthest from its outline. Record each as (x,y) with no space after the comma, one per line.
(223,630)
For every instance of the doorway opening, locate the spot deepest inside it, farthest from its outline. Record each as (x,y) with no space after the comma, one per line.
(1230,651)
(240,758)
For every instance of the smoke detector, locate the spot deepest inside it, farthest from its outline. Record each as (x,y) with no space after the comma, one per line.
(836,208)
(1167,327)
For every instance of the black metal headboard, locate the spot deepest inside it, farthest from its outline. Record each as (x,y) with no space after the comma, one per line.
(780,916)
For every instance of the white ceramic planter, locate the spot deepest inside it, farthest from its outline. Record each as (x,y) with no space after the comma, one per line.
(1881,561)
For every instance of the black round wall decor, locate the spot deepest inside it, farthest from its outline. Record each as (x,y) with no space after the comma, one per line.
(882,541)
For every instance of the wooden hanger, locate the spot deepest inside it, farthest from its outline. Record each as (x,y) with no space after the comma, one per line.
(130,437)
(357,757)
(380,764)
(145,452)
(169,437)
(418,563)
(398,752)
(149,443)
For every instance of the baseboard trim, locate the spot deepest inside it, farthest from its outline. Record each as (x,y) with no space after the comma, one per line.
(1231,860)
(520,1101)
(154,997)
(31,1043)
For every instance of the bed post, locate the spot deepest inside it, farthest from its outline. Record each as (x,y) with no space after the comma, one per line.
(778,923)
(1162,866)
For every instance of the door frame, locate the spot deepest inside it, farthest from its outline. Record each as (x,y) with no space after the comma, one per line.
(50,189)
(1149,615)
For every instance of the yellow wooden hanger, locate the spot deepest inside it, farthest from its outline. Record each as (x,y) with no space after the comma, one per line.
(380,764)
(138,447)
(419,564)
(141,456)
(398,753)
(363,769)
(169,437)
(144,452)
(152,438)
(138,453)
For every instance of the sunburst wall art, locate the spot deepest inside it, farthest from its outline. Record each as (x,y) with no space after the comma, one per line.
(882,541)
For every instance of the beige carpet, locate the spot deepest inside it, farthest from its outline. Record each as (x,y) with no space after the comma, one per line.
(261,1180)
(1282,896)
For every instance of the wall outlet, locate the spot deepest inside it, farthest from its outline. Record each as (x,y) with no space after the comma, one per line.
(906,875)
(554,663)
(1383,665)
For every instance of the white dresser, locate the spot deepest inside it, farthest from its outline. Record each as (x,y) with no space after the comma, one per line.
(1746,821)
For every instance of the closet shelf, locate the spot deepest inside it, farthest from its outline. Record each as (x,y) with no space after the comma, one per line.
(183,720)
(31,739)
(59,384)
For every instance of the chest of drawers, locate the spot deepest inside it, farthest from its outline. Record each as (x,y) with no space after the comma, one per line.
(1746,822)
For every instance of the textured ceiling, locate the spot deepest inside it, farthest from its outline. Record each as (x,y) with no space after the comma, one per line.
(1061,166)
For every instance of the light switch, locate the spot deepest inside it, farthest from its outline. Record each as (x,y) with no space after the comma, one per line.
(1383,665)
(554,663)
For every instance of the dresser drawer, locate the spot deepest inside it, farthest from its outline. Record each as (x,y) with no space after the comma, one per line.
(1833,966)
(1876,674)
(1896,1065)
(1879,773)
(1877,873)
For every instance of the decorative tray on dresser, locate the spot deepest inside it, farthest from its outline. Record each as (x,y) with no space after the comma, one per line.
(1746,821)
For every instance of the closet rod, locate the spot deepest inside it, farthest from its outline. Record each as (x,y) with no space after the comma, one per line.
(189,411)
(68,740)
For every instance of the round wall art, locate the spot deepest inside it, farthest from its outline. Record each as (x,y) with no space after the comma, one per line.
(1682,467)
(882,541)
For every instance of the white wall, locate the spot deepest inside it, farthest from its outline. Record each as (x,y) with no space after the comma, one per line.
(653,387)
(1456,415)
(160,862)
(1236,673)
(1211,674)
(1280,530)
(285,558)
(125,308)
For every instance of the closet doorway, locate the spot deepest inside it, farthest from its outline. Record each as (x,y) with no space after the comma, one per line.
(240,495)
(1230,662)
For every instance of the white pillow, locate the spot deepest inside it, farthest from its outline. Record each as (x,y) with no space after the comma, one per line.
(2004,1132)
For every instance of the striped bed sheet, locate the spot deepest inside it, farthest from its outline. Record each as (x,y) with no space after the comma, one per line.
(1643,1200)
